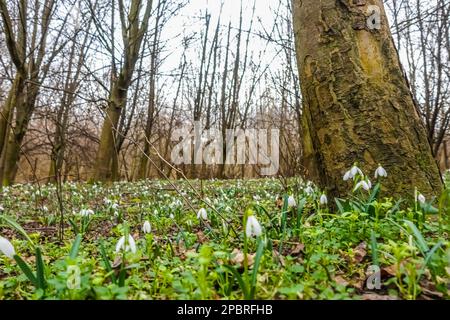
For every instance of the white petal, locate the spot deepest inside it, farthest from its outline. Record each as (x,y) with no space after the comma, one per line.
(257,230)
(147,227)
(7,248)
(347,175)
(291,202)
(323,199)
(421,198)
(248,228)
(120,244)
(132,243)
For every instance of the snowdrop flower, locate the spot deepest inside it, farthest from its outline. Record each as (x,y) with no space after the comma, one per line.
(380,172)
(171,216)
(350,174)
(202,214)
(45,208)
(86,213)
(129,246)
(147,227)
(7,248)
(309,190)
(366,185)
(323,199)
(291,202)
(115,206)
(253,228)
(421,198)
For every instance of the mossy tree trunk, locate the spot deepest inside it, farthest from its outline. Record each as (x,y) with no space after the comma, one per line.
(357,103)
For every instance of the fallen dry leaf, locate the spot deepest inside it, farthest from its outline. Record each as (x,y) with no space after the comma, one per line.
(237,257)
(374,296)
(360,252)
(299,247)
(340,280)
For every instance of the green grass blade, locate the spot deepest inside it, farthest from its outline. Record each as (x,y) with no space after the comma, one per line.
(75,247)
(259,254)
(40,269)
(374,248)
(26,270)
(421,243)
(239,280)
(106,262)
(16,226)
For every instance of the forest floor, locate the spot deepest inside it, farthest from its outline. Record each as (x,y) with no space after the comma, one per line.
(369,248)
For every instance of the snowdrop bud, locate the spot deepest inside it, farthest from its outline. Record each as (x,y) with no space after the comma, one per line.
(7,248)
(147,227)
(202,214)
(323,199)
(253,228)
(421,198)
(380,172)
(291,202)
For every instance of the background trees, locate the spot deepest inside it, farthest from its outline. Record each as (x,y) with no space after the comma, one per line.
(95,88)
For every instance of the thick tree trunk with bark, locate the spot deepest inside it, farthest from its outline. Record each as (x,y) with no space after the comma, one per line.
(357,104)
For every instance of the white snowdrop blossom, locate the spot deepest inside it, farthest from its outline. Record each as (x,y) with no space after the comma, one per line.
(147,227)
(115,206)
(350,174)
(291,202)
(7,248)
(253,228)
(380,172)
(421,198)
(171,216)
(309,190)
(130,245)
(86,212)
(366,185)
(323,199)
(202,214)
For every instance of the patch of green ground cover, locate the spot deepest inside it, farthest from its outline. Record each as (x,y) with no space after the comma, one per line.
(305,250)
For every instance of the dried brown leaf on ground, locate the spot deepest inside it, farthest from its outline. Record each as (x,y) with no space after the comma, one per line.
(374,296)
(360,252)
(237,258)
(297,249)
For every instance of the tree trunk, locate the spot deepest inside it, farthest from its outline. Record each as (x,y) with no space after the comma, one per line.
(357,105)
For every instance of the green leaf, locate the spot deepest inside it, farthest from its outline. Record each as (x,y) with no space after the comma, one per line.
(374,194)
(374,248)
(421,243)
(16,226)
(239,280)
(432,251)
(40,269)
(300,207)
(26,270)
(75,247)
(339,205)
(106,262)
(75,228)
(259,254)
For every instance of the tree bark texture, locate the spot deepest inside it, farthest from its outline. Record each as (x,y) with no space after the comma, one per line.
(357,106)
